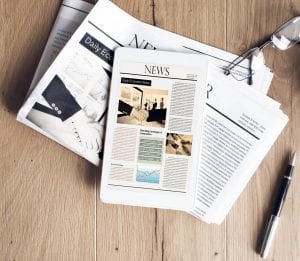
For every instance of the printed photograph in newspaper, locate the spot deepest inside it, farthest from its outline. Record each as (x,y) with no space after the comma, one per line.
(142,106)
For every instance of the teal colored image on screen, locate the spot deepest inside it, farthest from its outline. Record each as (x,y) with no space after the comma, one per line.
(147,175)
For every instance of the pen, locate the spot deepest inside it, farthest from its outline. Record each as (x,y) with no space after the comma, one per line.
(274,219)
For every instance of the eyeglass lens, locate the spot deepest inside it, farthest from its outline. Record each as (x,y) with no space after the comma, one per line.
(287,35)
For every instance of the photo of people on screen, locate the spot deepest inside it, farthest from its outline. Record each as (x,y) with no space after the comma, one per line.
(142,106)
(179,144)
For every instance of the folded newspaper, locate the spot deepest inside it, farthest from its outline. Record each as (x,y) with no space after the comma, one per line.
(156,122)
(69,105)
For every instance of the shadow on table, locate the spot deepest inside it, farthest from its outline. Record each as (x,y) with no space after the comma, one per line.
(22,54)
(91,174)
(18,78)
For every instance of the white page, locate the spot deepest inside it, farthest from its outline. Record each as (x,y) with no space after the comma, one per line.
(70,15)
(238,132)
(151,152)
(252,93)
(87,58)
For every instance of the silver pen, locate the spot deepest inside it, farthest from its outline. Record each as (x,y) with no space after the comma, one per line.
(274,219)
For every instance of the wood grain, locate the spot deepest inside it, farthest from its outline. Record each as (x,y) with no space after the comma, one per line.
(253,22)
(49,203)
(47,194)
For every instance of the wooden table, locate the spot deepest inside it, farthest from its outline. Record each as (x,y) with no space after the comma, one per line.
(49,203)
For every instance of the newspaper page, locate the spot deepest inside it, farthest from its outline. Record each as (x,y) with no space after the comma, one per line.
(238,130)
(70,101)
(154,120)
(70,15)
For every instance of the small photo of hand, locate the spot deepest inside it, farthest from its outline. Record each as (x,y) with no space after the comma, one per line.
(179,144)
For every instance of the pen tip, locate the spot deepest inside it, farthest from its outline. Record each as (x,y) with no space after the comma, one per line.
(293,159)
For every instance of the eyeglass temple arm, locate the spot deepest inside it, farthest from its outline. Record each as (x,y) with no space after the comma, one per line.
(238,60)
(245,55)
(264,44)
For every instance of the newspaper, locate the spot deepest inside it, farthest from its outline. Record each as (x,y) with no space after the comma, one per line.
(69,103)
(240,126)
(69,17)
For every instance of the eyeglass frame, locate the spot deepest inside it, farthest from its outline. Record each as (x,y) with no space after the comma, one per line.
(250,52)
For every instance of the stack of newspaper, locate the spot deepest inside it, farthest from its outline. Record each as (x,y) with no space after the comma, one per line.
(68,103)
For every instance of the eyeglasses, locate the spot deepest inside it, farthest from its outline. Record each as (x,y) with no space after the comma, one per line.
(283,38)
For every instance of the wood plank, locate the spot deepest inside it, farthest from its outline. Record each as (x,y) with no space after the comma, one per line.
(184,237)
(247,24)
(127,233)
(292,210)
(149,234)
(47,205)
